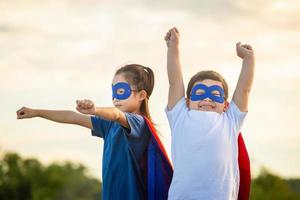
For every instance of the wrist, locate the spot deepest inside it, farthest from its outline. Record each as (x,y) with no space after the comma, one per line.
(36,113)
(96,111)
(173,46)
(174,50)
(249,56)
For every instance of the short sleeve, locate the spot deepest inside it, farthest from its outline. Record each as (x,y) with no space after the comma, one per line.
(179,109)
(136,123)
(235,116)
(100,126)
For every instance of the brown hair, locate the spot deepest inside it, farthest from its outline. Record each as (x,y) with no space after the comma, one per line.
(143,79)
(200,76)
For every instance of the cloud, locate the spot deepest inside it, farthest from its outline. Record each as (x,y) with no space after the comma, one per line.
(56,51)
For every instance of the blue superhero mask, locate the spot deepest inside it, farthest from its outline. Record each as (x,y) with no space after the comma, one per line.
(215,93)
(121,91)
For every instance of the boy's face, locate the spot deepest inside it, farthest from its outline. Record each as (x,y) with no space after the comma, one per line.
(207,104)
(131,103)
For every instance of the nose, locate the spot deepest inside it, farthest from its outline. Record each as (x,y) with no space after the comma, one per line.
(207,99)
(115,99)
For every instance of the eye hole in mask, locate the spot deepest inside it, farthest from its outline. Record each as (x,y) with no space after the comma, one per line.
(200,92)
(216,93)
(120,91)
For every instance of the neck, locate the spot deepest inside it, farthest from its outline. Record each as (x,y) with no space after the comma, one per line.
(137,112)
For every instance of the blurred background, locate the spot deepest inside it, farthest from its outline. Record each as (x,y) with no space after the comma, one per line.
(55,52)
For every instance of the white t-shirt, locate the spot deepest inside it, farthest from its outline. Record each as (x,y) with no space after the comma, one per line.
(204,152)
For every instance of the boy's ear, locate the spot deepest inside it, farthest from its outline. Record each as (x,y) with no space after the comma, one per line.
(226,106)
(187,101)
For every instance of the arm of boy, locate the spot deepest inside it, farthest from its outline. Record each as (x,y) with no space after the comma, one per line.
(61,116)
(176,85)
(242,90)
(108,113)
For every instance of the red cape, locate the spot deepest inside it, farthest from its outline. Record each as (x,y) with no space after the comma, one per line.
(156,166)
(159,171)
(244,167)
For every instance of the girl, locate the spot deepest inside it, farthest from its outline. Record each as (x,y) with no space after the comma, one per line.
(135,165)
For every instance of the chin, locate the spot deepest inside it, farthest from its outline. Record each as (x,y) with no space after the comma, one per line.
(120,108)
(208,110)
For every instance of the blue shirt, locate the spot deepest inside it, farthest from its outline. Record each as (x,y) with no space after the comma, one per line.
(123,149)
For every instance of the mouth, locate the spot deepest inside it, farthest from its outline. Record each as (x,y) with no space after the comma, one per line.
(207,106)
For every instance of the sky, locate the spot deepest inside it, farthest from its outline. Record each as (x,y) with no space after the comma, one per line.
(55,52)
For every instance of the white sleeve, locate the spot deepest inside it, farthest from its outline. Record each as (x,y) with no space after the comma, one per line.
(236,117)
(178,110)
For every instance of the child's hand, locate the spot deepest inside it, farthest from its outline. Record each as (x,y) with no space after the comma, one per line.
(172,37)
(244,50)
(86,107)
(25,112)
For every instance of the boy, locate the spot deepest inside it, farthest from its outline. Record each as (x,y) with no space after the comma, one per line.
(205,127)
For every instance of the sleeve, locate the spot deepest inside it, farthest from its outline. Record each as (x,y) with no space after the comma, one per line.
(100,126)
(136,123)
(235,116)
(179,109)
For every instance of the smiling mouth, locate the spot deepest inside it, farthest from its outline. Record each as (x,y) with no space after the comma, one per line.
(206,107)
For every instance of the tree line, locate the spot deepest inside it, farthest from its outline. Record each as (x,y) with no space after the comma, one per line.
(29,179)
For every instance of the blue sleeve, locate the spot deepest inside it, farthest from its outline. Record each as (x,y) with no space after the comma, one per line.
(136,123)
(100,126)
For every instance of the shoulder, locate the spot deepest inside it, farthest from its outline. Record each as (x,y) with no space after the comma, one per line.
(134,116)
(233,111)
(137,124)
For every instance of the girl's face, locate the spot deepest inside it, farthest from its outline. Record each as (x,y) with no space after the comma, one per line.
(207,104)
(133,102)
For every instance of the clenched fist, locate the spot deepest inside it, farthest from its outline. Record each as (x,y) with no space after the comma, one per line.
(244,50)
(25,112)
(172,37)
(86,107)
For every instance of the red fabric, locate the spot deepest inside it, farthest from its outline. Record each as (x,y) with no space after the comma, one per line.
(244,167)
(243,159)
(154,133)
(157,167)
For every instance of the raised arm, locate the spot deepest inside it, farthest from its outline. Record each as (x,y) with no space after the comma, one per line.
(107,113)
(242,90)
(61,116)
(176,85)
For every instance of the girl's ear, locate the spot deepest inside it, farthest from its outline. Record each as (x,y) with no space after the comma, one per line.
(142,95)
(226,106)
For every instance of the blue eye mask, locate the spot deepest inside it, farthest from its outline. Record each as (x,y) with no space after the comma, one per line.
(207,92)
(121,91)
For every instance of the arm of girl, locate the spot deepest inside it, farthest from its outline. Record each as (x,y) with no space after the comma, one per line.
(61,116)
(241,93)
(107,113)
(176,85)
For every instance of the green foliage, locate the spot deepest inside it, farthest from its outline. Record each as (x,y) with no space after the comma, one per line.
(294,185)
(268,186)
(28,179)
